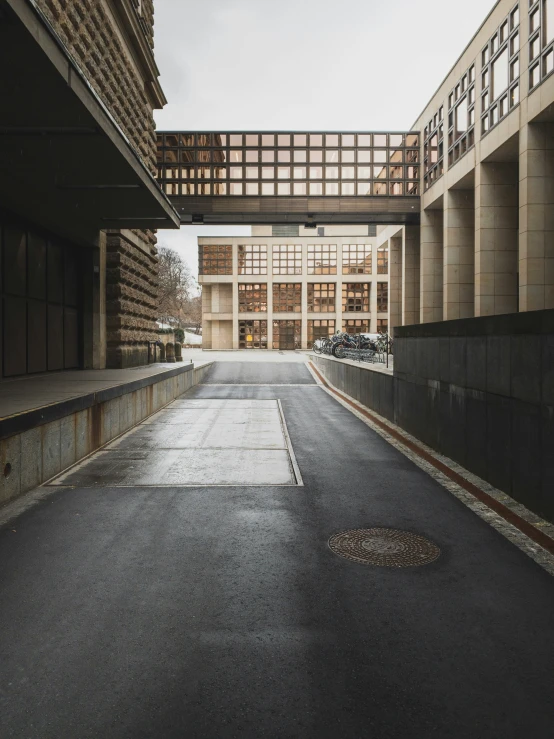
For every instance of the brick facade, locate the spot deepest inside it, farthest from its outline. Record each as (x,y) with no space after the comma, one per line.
(112,43)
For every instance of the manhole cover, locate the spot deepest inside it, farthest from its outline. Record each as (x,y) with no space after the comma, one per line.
(384,547)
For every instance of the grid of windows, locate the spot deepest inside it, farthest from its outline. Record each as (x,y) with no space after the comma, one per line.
(356,326)
(252,298)
(355,297)
(541,40)
(383,260)
(287,259)
(286,334)
(322,259)
(461,117)
(287,297)
(215,259)
(500,72)
(287,164)
(382,326)
(252,259)
(252,334)
(320,329)
(433,149)
(321,297)
(382,297)
(356,259)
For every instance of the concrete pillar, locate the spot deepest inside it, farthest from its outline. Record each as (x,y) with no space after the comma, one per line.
(431,265)
(395,283)
(496,238)
(410,275)
(536,217)
(459,254)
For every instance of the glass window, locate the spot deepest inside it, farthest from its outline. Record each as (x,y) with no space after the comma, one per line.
(460,118)
(235,188)
(364,188)
(283,155)
(396,139)
(364,173)
(268,156)
(364,139)
(268,188)
(355,297)
(348,156)
(252,188)
(251,173)
(268,139)
(316,188)
(332,173)
(316,139)
(348,139)
(514,44)
(286,334)
(215,259)
(356,326)
(348,173)
(548,21)
(382,297)
(534,48)
(319,329)
(382,325)
(321,297)
(356,259)
(203,173)
(204,155)
(283,173)
(332,188)
(514,95)
(283,139)
(364,155)
(332,139)
(380,173)
(379,156)
(348,188)
(252,334)
(220,139)
(332,155)
(252,155)
(380,188)
(514,70)
(300,173)
(534,76)
(300,188)
(380,139)
(412,139)
(300,155)
(322,259)
(396,173)
(287,259)
(382,260)
(252,139)
(268,173)
(300,139)
(252,298)
(220,188)
(287,297)
(283,188)
(514,18)
(534,21)
(235,156)
(235,139)
(316,156)
(235,173)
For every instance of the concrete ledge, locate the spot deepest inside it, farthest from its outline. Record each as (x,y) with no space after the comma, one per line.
(43,442)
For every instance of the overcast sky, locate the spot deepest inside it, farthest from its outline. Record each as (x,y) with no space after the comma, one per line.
(302,64)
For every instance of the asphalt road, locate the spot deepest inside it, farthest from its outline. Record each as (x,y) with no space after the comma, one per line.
(221,612)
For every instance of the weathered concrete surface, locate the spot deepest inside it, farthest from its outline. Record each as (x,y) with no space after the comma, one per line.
(221,612)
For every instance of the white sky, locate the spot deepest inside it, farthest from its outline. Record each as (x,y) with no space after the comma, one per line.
(304,65)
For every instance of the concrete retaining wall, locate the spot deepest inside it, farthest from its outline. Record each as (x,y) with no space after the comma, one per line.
(83,425)
(478,390)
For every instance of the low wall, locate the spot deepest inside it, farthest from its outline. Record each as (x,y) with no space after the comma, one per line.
(478,390)
(40,444)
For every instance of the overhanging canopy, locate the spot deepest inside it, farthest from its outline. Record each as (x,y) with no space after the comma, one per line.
(64,162)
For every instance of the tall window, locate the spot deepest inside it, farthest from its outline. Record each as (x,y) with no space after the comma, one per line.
(252,259)
(287,334)
(355,297)
(287,259)
(215,259)
(253,298)
(287,297)
(321,297)
(500,71)
(382,325)
(383,260)
(252,334)
(356,326)
(382,297)
(356,259)
(322,259)
(319,329)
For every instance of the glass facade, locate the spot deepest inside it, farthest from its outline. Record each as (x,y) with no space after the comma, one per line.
(541,41)
(287,334)
(252,298)
(461,117)
(287,259)
(319,329)
(383,260)
(382,297)
(322,259)
(433,149)
(356,259)
(321,297)
(500,72)
(289,164)
(355,297)
(252,334)
(287,297)
(382,326)
(215,259)
(357,326)
(252,259)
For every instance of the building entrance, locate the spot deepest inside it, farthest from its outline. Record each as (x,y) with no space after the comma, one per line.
(286,334)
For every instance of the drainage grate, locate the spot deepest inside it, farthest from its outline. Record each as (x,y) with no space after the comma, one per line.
(384,547)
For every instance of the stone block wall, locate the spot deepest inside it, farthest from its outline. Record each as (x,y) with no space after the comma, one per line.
(99,37)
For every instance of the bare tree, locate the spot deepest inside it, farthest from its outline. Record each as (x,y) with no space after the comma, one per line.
(174,286)
(193,313)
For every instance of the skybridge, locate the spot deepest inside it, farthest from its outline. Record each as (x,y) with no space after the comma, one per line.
(291,177)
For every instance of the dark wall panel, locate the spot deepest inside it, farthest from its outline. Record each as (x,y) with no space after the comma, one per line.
(36,267)
(15,260)
(36,337)
(71,338)
(55,337)
(15,336)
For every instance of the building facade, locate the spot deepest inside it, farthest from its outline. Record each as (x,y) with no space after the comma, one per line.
(79,202)
(283,287)
(486,241)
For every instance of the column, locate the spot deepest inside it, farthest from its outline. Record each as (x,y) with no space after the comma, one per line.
(431,265)
(536,217)
(459,254)
(410,275)
(395,283)
(496,238)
